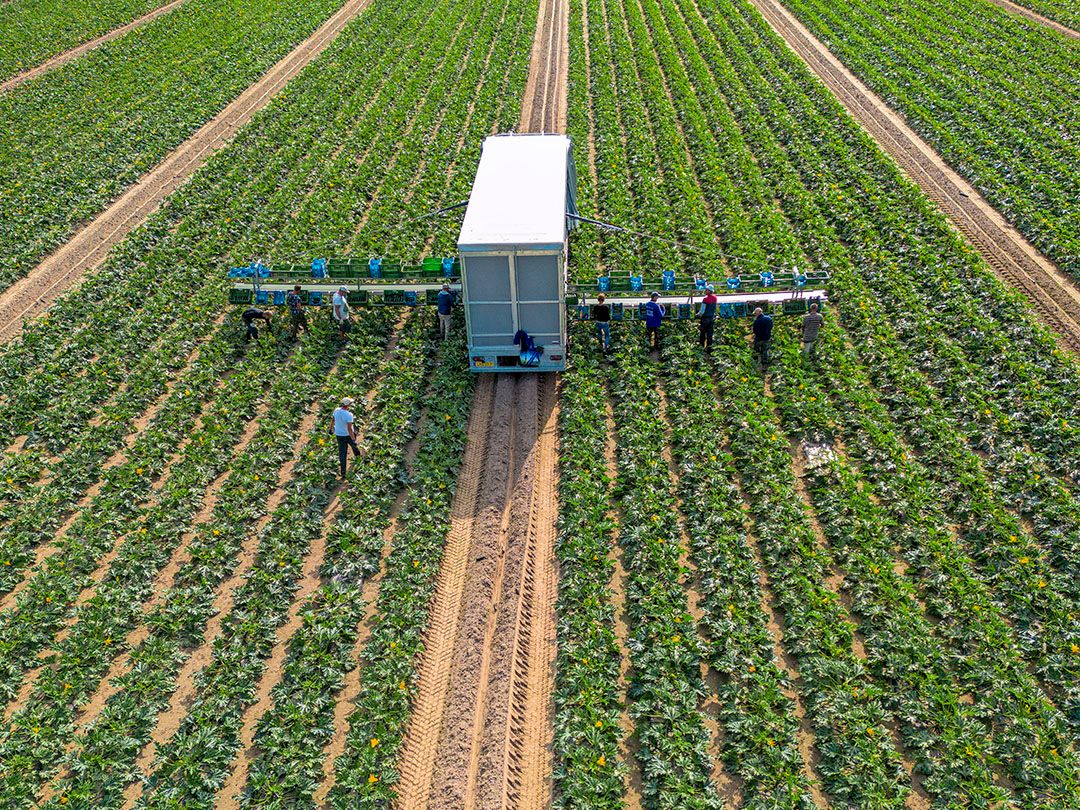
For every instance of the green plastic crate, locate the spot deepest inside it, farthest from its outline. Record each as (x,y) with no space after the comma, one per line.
(239,296)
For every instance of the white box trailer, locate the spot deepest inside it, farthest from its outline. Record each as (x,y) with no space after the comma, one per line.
(513,245)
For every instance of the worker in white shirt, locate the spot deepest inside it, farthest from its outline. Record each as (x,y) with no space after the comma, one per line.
(342,314)
(345,432)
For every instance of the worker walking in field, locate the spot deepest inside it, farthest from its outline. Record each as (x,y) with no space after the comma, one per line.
(762,335)
(252,314)
(345,431)
(602,315)
(708,318)
(446,300)
(296,311)
(342,314)
(654,316)
(811,328)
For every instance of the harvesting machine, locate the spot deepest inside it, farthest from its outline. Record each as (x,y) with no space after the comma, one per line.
(510,272)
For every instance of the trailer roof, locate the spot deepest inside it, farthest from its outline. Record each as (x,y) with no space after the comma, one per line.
(524,187)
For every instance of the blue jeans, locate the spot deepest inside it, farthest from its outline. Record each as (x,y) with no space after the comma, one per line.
(603,333)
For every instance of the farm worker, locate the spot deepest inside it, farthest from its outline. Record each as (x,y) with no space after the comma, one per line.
(296,311)
(251,314)
(762,335)
(446,310)
(811,327)
(342,316)
(654,314)
(345,431)
(602,315)
(708,318)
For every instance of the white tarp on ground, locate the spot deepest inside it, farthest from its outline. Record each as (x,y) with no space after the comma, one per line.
(524,187)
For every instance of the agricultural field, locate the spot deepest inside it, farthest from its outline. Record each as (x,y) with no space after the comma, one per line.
(31,32)
(1011,132)
(660,579)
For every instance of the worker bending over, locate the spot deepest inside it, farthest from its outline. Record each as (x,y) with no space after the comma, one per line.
(252,314)
(345,431)
(762,335)
(654,316)
(446,300)
(811,328)
(602,315)
(708,318)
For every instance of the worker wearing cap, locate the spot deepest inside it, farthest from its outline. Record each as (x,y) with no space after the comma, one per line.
(445,304)
(708,318)
(345,431)
(602,315)
(342,316)
(811,328)
(252,314)
(654,316)
(296,311)
(762,335)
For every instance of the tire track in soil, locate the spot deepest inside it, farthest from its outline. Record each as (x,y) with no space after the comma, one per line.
(1053,294)
(628,745)
(480,733)
(1036,17)
(71,54)
(89,246)
(544,106)
(417,759)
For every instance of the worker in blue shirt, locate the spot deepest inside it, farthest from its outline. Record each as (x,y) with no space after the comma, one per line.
(446,310)
(654,315)
(762,335)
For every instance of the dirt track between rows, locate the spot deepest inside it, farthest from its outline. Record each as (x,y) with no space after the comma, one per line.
(480,734)
(88,248)
(1055,296)
(1036,17)
(54,62)
(543,108)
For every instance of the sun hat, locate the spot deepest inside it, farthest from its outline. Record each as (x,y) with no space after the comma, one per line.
(710,288)
(347,402)
(343,288)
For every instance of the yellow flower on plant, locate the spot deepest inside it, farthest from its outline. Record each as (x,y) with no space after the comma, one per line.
(1024,560)
(374,742)
(372,779)
(601,761)
(599,724)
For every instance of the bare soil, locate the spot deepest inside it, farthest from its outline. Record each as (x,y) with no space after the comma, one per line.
(1053,294)
(544,106)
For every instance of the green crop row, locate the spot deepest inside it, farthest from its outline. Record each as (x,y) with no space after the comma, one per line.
(206,740)
(865,525)
(31,31)
(75,138)
(291,735)
(665,683)
(587,699)
(366,772)
(1002,123)
(146,539)
(102,764)
(757,711)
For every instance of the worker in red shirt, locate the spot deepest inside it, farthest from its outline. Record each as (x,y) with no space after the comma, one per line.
(708,318)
